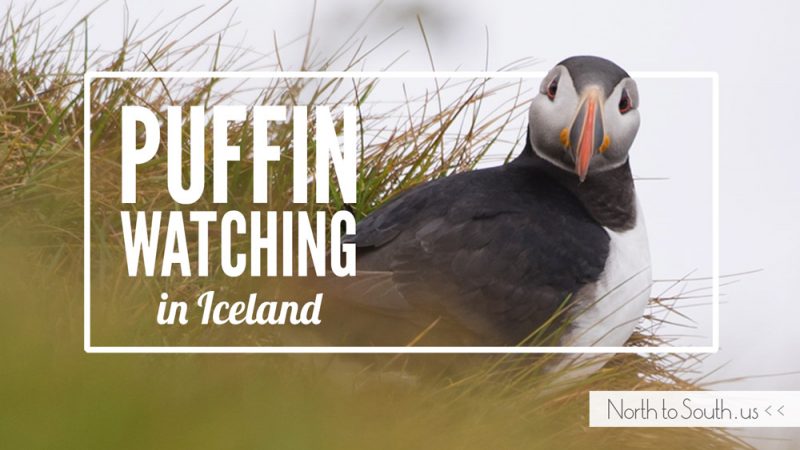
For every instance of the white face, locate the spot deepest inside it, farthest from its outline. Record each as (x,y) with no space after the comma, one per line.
(561,118)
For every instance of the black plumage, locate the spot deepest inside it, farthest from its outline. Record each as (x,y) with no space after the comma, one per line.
(491,254)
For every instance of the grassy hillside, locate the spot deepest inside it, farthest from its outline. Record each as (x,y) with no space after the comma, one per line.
(53,395)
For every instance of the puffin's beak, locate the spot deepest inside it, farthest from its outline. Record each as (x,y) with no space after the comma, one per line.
(587,133)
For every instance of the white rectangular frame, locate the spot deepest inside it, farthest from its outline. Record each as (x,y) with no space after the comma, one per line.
(89,348)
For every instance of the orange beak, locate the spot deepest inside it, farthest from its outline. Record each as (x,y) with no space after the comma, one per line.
(587,134)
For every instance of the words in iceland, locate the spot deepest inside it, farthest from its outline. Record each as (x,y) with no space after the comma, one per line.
(275,243)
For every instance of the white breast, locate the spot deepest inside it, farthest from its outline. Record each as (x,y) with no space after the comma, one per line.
(609,310)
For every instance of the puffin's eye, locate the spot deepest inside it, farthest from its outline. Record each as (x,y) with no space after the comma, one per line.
(552,89)
(625,103)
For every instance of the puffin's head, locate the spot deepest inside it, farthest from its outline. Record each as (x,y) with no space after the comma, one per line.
(585,116)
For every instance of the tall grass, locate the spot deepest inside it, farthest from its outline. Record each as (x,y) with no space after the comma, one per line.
(54,395)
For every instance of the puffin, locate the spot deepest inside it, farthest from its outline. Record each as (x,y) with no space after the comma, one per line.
(554,239)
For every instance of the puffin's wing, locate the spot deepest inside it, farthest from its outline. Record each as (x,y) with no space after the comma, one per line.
(479,252)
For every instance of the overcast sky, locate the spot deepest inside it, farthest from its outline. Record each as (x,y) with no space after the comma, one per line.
(754,46)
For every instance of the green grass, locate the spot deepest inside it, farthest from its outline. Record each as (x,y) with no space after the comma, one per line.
(55,396)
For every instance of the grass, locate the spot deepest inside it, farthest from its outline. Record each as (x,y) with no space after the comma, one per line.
(54,395)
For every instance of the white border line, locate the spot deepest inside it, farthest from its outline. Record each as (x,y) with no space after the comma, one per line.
(88,348)
(393,350)
(87,190)
(715,212)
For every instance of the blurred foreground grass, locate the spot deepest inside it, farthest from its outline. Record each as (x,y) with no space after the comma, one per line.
(53,395)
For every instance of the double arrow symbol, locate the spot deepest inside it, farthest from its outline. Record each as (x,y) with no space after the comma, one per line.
(779,410)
